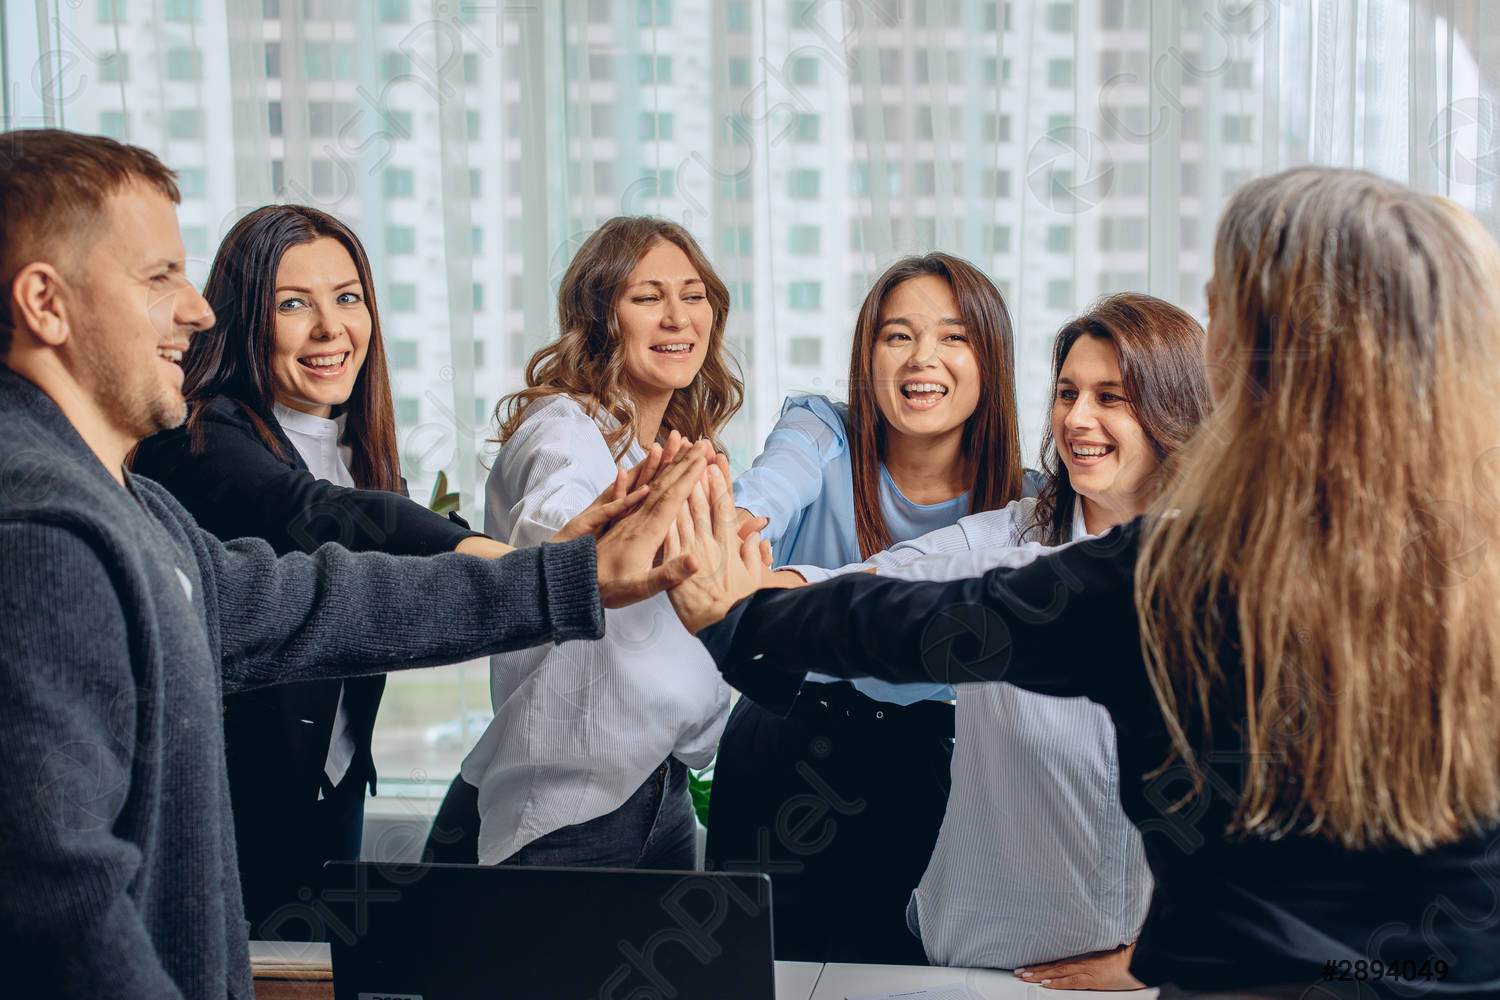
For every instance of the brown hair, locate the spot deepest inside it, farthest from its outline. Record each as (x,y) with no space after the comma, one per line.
(991,440)
(234,358)
(53,185)
(586,361)
(1160,351)
(1330,584)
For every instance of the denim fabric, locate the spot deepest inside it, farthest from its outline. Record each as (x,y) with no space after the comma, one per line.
(654,829)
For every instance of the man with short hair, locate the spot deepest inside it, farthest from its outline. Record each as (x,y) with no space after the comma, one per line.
(125,623)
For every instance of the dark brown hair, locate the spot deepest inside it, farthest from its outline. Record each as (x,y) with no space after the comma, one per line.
(586,362)
(53,185)
(234,358)
(991,440)
(1160,351)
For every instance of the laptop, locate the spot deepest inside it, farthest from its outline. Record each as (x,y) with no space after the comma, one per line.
(467,932)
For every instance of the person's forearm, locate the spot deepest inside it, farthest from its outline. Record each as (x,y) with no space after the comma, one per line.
(483,546)
(337,613)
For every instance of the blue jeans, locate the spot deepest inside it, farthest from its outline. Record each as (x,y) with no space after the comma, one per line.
(656,828)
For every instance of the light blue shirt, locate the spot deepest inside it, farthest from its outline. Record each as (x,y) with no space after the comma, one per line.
(803,481)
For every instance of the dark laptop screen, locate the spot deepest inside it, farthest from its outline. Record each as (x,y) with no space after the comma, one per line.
(459,932)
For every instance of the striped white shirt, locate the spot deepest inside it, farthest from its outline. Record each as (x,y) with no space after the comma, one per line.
(579,726)
(1036,859)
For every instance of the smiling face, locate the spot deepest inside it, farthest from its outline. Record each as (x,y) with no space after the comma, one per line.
(136,314)
(322,327)
(664,320)
(925,373)
(1107,454)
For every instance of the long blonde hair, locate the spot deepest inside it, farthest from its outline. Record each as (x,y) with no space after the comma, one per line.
(1328,578)
(586,361)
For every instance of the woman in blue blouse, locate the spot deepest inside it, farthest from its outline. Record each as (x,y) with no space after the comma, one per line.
(841,801)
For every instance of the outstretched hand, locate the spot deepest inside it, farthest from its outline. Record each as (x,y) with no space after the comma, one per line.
(729,566)
(627,550)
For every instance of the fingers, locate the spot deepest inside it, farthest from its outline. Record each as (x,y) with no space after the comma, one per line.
(675,442)
(748,526)
(608,512)
(672,547)
(684,527)
(671,488)
(703,521)
(647,470)
(765,553)
(669,574)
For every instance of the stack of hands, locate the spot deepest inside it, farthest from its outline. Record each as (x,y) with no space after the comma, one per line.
(670,524)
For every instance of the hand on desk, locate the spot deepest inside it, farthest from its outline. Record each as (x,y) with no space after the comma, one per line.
(1098,970)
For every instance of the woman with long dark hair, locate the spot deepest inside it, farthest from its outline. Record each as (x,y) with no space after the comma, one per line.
(585,762)
(1299,652)
(929,435)
(291,437)
(1036,862)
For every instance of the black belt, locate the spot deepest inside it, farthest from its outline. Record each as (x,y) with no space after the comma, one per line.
(844,701)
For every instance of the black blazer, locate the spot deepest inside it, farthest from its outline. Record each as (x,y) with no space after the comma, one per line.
(277,737)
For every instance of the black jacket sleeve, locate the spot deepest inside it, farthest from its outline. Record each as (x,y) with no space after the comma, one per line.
(237,487)
(1057,626)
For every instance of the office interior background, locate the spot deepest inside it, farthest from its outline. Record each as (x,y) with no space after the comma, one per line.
(1070,148)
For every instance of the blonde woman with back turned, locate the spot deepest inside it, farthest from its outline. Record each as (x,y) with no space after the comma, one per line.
(1307,741)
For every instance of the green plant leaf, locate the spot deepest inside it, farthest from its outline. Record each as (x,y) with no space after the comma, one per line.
(442,502)
(700,787)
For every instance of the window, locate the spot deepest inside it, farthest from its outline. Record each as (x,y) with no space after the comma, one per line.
(656,13)
(803,71)
(739,186)
(476,292)
(192,182)
(995,128)
(400,239)
(114,67)
(471,124)
(1059,294)
(402,353)
(924,178)
(320,119)
(479,360)
(476,239)
(994,183)
(1187,234)
(110,11)
(663,181)
(402,297)
(113,124)
(804,239)
(395,11)
(601,120)
(1060,17)
(273,60)
(1237,128)
(182,10)
(398,183)
(1060,73)
(1239,74)
(1000,239)
(195,240)
(805,128)
(739,72)
(400,123)
(804,295)
(737,239)
(1059,239)
(655,69)
(806,351)
(185,123)
(1189,179)
(802,183)
(656,125)
(408,411)
(601,66)
(394,63)
(736,17)
(1122,233)
(1059,123)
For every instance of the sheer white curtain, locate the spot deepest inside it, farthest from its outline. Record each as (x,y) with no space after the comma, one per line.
(1070,148)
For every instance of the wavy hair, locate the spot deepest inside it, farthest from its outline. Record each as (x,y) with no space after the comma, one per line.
(991,446)
(1160,351)
(1331,577)
(586,360)
(234,358)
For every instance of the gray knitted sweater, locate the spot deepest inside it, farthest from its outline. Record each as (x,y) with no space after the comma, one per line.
(124,626)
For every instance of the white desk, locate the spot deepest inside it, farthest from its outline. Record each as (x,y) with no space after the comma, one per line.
(304,971)
(840,981)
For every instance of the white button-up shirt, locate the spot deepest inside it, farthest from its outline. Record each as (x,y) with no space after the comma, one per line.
(579,726)
(319,441)
(1036,859)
